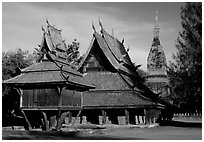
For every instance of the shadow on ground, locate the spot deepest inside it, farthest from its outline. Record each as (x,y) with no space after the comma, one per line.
(42,135)
(181,124)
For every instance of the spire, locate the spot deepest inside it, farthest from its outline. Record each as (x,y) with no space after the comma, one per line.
(156,26)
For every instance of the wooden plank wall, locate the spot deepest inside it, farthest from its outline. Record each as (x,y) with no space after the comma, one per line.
(50,97)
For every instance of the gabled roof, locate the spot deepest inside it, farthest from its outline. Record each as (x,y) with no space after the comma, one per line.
(114,50)
(116,55)
(117,48)
(118,58)
(52,41)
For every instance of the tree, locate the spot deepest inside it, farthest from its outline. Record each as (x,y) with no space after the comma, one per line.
(186,70)
(72,51)
(12,62)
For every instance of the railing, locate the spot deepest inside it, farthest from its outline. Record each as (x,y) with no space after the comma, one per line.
(187,114)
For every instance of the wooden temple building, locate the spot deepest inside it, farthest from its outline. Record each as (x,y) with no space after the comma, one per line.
(49,89)
(106,83)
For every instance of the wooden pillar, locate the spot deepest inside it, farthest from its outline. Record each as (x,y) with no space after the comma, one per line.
(138,118)
(28,127)
(143,119)
(127,117)
(104,117)
(81,120)
(145,116)
(45,121)
(20,92)
(61,120)
(70,117)
(58,117)
(59,90)
(52,122)
(76,118)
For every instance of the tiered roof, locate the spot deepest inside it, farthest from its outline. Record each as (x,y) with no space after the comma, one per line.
(53,68)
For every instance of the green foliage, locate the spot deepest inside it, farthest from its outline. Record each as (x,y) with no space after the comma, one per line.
(186,70)
(11,61)
(73,54)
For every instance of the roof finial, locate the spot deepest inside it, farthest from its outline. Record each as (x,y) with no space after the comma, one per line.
(100,23)
(47,21)
(156,26)
(93,26)
(128,49)
(123,40)
(156,15)
(43,29)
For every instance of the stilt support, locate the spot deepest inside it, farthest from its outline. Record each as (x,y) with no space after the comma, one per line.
(127,117)
(53,122)
(76,118)
(44,121)
(61,120)
(28,127)
(70,117)
(104,117)
(138,119)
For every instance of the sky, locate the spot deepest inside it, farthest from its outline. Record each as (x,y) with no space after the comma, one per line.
(133,21)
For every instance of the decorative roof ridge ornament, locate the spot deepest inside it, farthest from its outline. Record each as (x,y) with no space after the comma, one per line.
(128,49)
(137,66)
(43,29)
(47,21)
(100,24)
(123,40)
(93,26)
(53,26)
(156,26)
